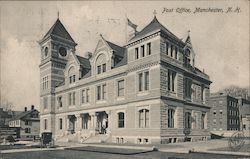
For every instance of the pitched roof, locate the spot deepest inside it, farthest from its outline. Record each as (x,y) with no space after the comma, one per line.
(152,26)
(118,50)
(83,61)
(59,30)
(23,114)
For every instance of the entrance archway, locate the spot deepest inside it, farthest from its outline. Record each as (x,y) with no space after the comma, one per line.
(102,122)
(72,125)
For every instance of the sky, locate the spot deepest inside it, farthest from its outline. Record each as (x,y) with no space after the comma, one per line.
(220,40)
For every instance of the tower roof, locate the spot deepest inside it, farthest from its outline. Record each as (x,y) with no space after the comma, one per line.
(153,26)
(58,30)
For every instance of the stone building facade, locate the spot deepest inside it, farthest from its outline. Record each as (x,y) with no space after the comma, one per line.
(147,91)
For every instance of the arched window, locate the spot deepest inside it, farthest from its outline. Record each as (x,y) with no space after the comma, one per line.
(120,120)
(188,120)
(143,118)
(171,118)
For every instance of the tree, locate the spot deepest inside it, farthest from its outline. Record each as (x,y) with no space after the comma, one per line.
(236,91)
(7,112)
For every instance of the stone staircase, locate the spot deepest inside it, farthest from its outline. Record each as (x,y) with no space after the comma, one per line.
(67,138)
(98,139)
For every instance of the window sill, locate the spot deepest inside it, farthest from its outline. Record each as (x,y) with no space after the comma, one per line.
(72,106)
(142,93)
(120,98)
(85,104)
(101,101)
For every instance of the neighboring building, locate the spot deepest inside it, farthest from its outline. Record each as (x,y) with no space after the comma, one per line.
(246,125)
(5,116)
(225,113)
(148,91)
(27,123)
(244,106)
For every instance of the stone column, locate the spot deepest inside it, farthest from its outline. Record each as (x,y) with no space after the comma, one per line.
(108,131)
(93,122)
(78,123)
(66,124)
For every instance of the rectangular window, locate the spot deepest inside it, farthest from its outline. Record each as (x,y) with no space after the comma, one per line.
(142,51)
(137,53)
(27,130)
(148,48)
(26,122)
(87,95)
(176,53)
(121,120)
(143,118)
(146,82)
(98,92)
(120,88)
(203,121)
(140,81)
(143,81)
(171,80)
(70,79)
(70,99)
(171,51)
(83,96)
(188,120)
(60,123)
(59,99)
(74,98)
(45,124)
(171,118)
(187,88)
(74,78)
(103,67)
(104,91)
(99,69)
(167,46)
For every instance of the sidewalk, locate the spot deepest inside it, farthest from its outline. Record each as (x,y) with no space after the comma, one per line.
(202,147)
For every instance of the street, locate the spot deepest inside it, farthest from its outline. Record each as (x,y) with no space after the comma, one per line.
(72,154)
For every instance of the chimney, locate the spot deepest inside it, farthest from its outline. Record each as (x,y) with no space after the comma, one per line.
(25,109)
(32,107)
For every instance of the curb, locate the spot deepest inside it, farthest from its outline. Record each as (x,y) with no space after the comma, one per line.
(29,150)
(247,154)
(152,148)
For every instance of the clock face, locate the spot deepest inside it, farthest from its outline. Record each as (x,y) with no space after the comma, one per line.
(62,51)
(46,51)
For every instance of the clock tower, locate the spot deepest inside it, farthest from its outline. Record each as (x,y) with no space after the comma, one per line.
(55,47)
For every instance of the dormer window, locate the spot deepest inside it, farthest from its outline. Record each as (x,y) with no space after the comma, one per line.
(72,79)
(101,65)
(71,75)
